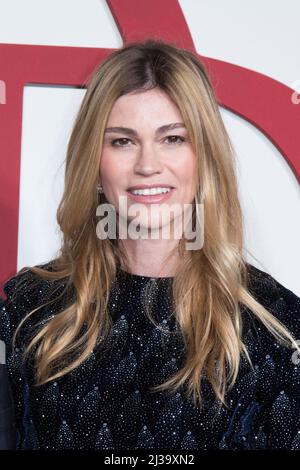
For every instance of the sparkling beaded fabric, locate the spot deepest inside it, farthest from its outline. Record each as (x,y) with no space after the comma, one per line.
(106,403)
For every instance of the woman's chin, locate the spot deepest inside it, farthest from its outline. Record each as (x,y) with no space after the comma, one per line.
(147,230)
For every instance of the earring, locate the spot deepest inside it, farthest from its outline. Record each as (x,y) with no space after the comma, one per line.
(99,188)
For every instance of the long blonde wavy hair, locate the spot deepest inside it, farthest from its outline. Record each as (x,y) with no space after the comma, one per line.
(210,284)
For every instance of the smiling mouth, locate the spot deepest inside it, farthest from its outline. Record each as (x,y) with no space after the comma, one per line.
(148,198)
(151,191)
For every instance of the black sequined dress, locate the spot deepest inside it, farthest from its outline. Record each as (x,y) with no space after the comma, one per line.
(108,403)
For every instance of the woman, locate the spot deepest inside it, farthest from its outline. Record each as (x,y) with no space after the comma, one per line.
(136,342)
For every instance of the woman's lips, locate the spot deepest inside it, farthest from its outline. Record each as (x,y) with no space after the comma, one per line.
(150,199)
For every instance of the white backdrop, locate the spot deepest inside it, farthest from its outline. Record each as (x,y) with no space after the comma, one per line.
(262,35)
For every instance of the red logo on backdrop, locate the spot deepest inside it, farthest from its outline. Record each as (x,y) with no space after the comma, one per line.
(261,100)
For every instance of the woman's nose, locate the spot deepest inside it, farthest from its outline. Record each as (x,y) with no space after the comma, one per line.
(148,160)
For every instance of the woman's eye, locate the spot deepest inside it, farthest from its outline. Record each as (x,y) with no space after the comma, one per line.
(174,139)
(123,141)
(114,142)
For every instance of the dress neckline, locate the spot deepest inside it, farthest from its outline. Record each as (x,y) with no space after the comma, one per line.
(141,277)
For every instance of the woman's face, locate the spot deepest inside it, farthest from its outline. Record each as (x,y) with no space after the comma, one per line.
(143,154)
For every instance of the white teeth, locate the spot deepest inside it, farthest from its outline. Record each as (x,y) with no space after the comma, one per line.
(148,192)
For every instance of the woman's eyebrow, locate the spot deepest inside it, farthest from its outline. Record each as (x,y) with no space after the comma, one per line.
(133,132)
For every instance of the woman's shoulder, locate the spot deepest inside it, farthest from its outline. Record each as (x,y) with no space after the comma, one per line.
(258,335)
(24,292)
(26,285)
(281,301)
(24,276)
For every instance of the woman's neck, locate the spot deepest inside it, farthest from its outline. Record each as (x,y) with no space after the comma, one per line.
(151,259)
